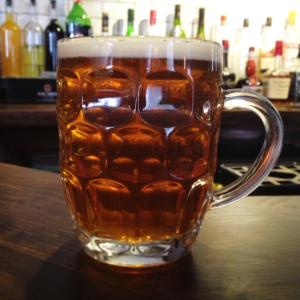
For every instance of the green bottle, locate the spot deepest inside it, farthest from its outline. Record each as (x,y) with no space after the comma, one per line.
(130,24)
(78,23)
(177,30)
(201,28)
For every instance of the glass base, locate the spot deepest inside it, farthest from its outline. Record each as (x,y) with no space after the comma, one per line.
(136,255)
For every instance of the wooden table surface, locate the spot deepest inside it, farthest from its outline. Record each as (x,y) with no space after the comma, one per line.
(249,250)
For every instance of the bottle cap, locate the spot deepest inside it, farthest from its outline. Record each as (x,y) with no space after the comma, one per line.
(130,14)
(152,17)
(9,3)
(177,7)
(223,19)
(33,2)
(291,18)
(225,44)
(53,4)
(278,48)
(246,22)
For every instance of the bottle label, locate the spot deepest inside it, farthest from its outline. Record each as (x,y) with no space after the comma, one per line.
(278,88)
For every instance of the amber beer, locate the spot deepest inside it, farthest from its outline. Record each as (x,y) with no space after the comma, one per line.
(138,127)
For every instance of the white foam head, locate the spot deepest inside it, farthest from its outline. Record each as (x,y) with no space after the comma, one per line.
(140,47)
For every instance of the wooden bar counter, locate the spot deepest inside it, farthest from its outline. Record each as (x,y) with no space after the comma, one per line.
(249,250)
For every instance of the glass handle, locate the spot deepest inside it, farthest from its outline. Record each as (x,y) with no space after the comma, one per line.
(268,154)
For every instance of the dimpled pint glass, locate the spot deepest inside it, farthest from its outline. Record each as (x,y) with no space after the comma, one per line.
(138,122)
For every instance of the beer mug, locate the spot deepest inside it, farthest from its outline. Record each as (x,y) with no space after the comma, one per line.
(138,122)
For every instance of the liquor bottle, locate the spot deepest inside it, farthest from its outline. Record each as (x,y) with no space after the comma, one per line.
(105,24)
(10,34)
(53,33)
(291,41)
(266,53)
(251,81)
(201,28)
(78,23)
(294,94)
(228,77)
(244,39)
(130,22)
(277,84)
(153,30)
(221,32)
(33,50)
(177,30)
(118,28)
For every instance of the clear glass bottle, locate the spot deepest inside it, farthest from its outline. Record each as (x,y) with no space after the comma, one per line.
(177,30)
(277,84)
(78,23)
(33,50)
(243,41)
(105,24)
(153,30)
(201,25)
(53,33)
(130,22)
(10,34)
(266,52)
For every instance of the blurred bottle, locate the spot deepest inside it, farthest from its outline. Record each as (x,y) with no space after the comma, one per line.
(177,30)
(294,93)
(33,50)
(221,32)
(130,22)
(251,81)
(291,41)
(153,30)
(277,84)
(266,52)
(243,41)
(118,28)
(201,27)
(10,34)
(228,78)
(105,24)
(78,23)
(53,33)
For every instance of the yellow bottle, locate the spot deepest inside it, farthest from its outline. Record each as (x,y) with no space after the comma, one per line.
(10,35)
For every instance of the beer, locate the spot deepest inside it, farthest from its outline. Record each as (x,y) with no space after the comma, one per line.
(138,135)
